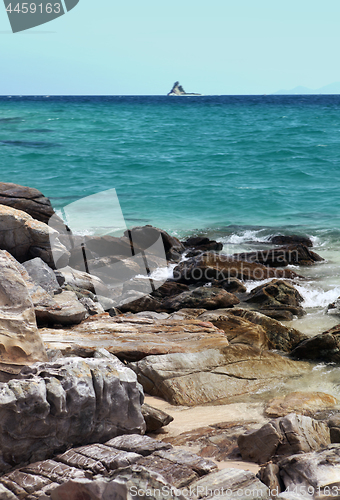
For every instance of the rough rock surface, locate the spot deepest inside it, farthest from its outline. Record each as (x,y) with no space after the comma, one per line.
(284,436)
(145,236)
(201,298)
(134,337)
(65,310)
(293,239)
(154,418)
(82,280)
(26,238)
(20,341)
(52,406)
(42,275)
(318,470)
(202,243)
(214,375)
(297,255)
(211,266)
(304,403)
(323,347)
(27,199)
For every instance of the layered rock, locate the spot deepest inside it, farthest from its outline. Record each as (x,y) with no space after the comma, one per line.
(322,347)
(201,298)
(282,437)
(52,406)
(213,375)
(26,238)
(20,341)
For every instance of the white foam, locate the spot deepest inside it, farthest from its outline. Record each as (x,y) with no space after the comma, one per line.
(246,236)
(316,297)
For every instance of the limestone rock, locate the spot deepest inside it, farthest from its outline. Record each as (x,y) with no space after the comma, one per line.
(323,347)
(20,341)
(317,470)
(213,375)
(284,436)
(26,238)
(133,337)
(199,298)
(52,406)
(304,403)
(211,266)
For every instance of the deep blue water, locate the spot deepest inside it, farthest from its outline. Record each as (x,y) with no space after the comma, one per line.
(187,164)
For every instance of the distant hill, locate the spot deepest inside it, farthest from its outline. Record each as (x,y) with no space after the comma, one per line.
(332,88)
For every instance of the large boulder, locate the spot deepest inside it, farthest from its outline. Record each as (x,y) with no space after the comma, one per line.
(145,236)
(297,255)
(26,199)
(322,347)
(65,309)
(282,437)
(203,244)
(305,403)
(213,375)
(26,238)
(201,298)
(42,275)
(292,239)
(52,406)
(212,266)
(20,341)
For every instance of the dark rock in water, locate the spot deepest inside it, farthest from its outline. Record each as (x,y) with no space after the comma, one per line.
(334,307)
(233,285)
(298,255)
(203,244)
(212,266)
(27,199)
(322,347)
(54,405)
(155,419)
(178,90)
(282,437)
(291,240)
(42,275)
(318,470)
(145,236)
(276,294)
(282,313)
(170,289)
(202,297)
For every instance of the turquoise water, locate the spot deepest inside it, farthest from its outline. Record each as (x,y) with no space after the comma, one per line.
(198,164)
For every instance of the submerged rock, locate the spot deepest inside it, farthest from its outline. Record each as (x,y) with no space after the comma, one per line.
(305,403)
(291,240)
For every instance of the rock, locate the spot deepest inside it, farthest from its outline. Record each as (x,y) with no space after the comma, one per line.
(203,244)
(20,341)
(54,405)
(6,494)
(213,375)
(26,199)
(270,476)
(334,428)
(284,436)
(128,303)
(202,297)
(323,347)
(233,285)
(281,313)
(334,307)
(198,464)
(146,236)
(26,238)
(304,403)
(276,293)
(155,419)
(212,266)
(169,289)
(297,255)
(66,310)
(42,275)
(291,240)
(318,471)
(83,280)
(279,336)
(230,484)
(178,90)
(91,306)
(143,445)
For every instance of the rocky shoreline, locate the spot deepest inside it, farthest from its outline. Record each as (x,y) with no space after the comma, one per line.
(78,355)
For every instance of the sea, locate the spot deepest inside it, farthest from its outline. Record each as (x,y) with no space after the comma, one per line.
(238,169)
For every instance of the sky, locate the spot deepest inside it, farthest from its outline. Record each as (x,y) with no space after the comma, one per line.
(139,47)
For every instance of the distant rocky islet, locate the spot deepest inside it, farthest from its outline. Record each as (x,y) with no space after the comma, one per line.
(74,367)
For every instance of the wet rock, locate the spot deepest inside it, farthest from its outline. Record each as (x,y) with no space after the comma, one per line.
(334,307)
(211,266)
(51,406)
(26,238)
(334,428)
(65,310)
(42,275)
(297,255)
(304,403)
(213,375)
(323,347)
(231,484)
(202,243)
(233,285)
(318,470)
(279,336)
(201,298)
(26,199)
(155,419)
(133,337)
(20,341)
(284,436)
(291,240)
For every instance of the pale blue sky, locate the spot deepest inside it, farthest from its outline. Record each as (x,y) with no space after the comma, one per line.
(142,47)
